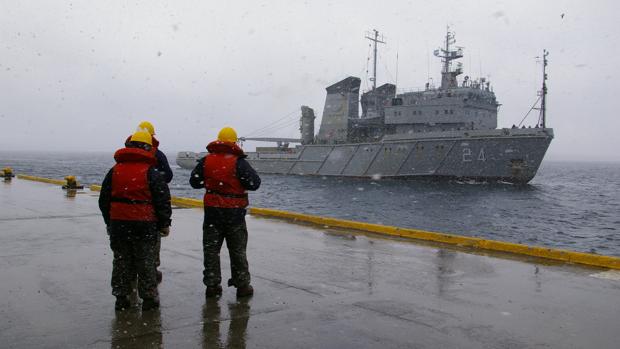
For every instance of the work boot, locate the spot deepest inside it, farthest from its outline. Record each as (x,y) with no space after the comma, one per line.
(160,276)
(122,303)
(150,303)
(245,291)
(213,291)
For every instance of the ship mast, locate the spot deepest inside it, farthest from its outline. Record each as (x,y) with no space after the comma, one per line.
(543,102)
(446,62)
(448,76)
(374,36)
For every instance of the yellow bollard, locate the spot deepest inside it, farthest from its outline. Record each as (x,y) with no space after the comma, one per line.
(72,183)
(7,173)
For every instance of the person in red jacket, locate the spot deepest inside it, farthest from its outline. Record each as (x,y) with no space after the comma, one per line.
(226,177)
(135,204)
(161,165)
(162,161)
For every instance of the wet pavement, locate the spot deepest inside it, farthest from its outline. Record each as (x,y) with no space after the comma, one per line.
(315,288)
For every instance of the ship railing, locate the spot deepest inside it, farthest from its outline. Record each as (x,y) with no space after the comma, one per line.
(272,156)
(403,90)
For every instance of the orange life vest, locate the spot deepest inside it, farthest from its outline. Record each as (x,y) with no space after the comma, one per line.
(131,194)
(223,188)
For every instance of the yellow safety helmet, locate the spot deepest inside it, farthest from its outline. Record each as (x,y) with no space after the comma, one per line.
(145,125)
(142,136)
(227,134)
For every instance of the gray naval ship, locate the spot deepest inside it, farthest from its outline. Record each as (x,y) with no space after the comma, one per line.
(445,132)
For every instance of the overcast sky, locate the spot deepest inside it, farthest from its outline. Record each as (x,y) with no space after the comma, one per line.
(80,75)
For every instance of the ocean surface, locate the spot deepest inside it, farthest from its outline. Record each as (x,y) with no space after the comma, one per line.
(571,205)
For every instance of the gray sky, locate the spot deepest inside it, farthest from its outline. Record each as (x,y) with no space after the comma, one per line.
(81,74)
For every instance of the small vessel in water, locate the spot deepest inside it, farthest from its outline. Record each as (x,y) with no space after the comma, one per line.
(445,132)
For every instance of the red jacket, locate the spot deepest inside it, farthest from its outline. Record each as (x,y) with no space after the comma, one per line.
(223,189)
(131,195)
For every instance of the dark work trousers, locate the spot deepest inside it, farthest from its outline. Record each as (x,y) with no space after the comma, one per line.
(134,245)
(158,248)
(225,224)
(157,262)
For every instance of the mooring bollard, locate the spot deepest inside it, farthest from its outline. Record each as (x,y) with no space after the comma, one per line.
(7,173)
(72,183)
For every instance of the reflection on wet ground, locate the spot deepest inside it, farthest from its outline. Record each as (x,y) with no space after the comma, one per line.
(135,329)
(237,321)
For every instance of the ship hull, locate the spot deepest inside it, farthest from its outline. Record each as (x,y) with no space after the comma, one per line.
(512,157)
(188,159)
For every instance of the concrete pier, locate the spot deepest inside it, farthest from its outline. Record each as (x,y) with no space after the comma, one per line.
(315,288)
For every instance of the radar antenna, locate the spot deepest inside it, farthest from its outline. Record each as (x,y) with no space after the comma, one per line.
(374,36)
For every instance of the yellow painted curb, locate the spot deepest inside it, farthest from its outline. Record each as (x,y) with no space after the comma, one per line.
(465,241)
(41,179)
(186,202)
(175,200)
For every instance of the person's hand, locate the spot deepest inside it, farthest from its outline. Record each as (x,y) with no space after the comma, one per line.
(163,232)
(108,229)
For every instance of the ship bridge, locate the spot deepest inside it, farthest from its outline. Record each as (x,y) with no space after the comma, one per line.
(461,108)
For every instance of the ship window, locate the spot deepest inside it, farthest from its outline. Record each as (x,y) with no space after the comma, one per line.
(451,111)
(397,101)
(445,111)
(436,112)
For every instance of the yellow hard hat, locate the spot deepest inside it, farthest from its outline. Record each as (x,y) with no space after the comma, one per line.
(227,134)
(145,125)
(142,136)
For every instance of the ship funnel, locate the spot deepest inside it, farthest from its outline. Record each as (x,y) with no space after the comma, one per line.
(341,104)
(306,126)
